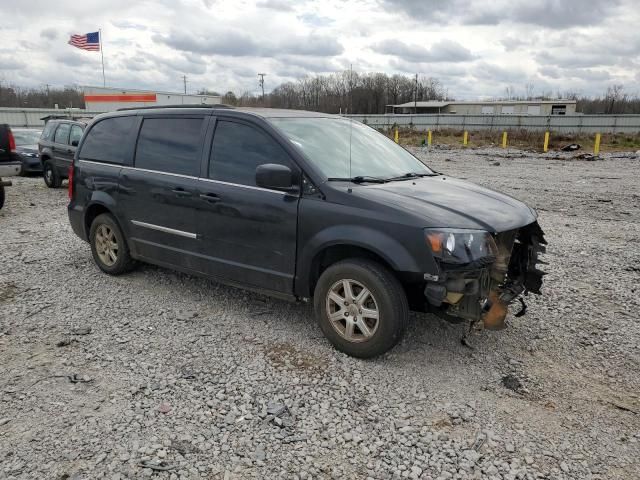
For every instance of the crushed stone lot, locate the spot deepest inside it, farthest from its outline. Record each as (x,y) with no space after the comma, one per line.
(163,375)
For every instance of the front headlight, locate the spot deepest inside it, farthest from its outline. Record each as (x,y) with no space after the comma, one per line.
(29,154)
(460,246)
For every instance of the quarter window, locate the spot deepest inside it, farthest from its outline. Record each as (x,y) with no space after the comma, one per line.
(171,145)
(76,134)
(62,134)
(237,151)
(107,141)
(47,133)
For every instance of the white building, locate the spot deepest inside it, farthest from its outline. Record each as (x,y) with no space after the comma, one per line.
(498,107)
(101,99)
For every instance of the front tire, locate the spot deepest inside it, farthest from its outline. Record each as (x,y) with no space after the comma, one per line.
(108,246)
(1,196)
(361,307)
(51,177)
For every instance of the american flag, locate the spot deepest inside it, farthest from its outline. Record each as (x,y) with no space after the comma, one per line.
(89,41)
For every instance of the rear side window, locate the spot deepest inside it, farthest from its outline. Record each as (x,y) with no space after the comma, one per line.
(171,145)
(107,140)
(237,151)
(62,134)
(47,133)
(76,134)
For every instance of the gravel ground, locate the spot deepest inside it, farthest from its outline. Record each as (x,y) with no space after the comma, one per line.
(180,377)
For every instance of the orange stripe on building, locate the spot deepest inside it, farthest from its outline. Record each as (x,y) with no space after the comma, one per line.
(134,97)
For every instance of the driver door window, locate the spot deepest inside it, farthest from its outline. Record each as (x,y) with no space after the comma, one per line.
(237,151)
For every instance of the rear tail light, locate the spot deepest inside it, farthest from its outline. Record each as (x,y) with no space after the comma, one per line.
(12,142)
(71,181)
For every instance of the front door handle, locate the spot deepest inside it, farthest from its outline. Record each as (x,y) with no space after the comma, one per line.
(181,192)
(210,197)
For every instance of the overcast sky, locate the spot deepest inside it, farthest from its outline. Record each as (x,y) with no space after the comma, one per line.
(475,48)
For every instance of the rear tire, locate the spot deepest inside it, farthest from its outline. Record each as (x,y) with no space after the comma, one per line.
(108,246)
(361,307)
(51,177)
(1,196)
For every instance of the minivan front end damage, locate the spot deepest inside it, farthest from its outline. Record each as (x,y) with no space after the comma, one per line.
(479,276)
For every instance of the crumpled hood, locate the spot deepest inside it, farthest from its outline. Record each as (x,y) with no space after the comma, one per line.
(449,202)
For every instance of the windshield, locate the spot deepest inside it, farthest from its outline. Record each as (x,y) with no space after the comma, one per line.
(328,142)
(26,137)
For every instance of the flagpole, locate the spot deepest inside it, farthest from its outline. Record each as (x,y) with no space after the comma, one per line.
(104,82)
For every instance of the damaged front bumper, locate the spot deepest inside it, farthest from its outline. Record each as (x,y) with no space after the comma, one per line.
(481,291)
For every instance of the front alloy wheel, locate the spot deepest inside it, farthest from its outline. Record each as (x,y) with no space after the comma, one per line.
(361,307)
(353,310)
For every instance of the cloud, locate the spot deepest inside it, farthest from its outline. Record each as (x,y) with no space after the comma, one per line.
(9,63)
(442,51)
(280,5)
(240,44)
(49,33)
(552,14)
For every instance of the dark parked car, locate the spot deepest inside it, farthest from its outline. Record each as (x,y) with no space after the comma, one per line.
(27,149)
(57,147)
(9,161)
(302,206)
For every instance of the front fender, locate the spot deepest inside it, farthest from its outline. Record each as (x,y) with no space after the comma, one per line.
(383,245)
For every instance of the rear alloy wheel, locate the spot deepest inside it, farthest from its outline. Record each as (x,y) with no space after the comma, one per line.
(108,246)
(51,177)
(361,307)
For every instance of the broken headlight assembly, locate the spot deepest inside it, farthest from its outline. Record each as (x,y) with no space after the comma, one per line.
(461,247)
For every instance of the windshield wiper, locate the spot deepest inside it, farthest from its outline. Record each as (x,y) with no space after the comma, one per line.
(410,175)
(358,179)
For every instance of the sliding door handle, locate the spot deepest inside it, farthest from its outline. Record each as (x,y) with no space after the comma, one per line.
(210,197)
(181,192)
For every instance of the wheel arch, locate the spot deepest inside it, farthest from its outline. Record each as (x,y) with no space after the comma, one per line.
(328,247)
(97,207)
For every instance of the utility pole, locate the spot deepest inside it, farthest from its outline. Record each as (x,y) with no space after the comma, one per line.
(351,89)
(415,97)
(184,79)
(261,83)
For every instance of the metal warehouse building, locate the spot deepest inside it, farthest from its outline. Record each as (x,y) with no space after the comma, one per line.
(101,99)
(506,107)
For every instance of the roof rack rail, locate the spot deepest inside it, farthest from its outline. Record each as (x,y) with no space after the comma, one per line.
(189,105)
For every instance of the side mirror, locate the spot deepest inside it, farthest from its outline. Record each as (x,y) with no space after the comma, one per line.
(271,175)
(74,143)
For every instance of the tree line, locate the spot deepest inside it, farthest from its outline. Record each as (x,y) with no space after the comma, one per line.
(43,97)
(342,92)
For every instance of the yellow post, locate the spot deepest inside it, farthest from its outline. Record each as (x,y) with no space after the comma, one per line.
(465,138)
(545,148)
(395,135)
(429,137)
(596,145)
(504,139)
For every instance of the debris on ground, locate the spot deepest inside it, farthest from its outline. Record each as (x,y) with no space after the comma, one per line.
(589,157)
(512,383)
(85,330)
(572,147)
(158,467)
